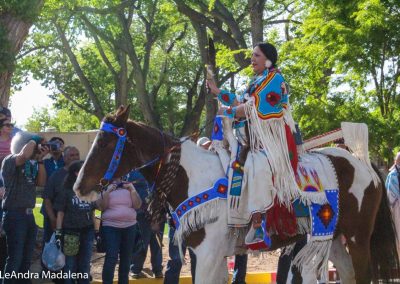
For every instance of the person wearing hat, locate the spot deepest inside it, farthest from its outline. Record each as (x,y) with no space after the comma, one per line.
(393,193)
(203,142)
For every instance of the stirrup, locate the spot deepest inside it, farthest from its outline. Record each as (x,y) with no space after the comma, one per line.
(256,219)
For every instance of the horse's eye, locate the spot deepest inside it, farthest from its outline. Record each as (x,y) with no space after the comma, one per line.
(102,143)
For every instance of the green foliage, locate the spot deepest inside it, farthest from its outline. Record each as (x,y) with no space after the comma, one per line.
(26,10)
(340,59)
(63,120)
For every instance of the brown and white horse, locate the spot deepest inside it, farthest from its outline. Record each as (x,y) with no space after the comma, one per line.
(364,218)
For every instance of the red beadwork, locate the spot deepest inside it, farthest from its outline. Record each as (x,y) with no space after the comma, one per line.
(198,199)
(225,98)
(273,98)
(179,212)
(190,203)
(205,196)
(184,207)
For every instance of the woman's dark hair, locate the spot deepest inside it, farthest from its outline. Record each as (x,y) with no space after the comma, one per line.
(2,121)
(269,51)
(71,177)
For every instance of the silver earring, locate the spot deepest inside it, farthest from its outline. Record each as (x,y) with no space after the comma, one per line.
(268,63)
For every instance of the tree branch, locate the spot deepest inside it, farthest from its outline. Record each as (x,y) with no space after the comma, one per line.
(78,70)
(102,53)
(109,10)
(97,31)
(282,21)
(72,100)
(37,48)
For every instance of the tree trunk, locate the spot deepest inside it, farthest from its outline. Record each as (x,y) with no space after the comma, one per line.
(121,94)
(16,30)
(256,8)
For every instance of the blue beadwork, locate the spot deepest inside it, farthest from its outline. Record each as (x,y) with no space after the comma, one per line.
(226,98)
(116,158)
(219,190)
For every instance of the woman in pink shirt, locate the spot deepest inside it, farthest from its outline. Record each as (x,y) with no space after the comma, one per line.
(118,205)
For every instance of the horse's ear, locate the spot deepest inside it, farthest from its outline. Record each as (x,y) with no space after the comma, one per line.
(122,113)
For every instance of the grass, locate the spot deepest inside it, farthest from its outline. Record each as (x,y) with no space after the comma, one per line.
(36,212)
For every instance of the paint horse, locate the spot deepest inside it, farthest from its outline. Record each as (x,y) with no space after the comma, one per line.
(185,170)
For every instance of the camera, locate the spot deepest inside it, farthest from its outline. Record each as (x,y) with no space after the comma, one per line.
(53,146)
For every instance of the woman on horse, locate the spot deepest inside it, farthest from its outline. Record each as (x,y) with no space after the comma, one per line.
(265,105)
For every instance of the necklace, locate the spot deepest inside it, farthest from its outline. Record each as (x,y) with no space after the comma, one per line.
(31,170)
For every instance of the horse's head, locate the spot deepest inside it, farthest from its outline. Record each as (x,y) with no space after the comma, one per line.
(98,169)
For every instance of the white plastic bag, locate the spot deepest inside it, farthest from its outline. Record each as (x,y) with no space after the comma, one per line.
(52,256)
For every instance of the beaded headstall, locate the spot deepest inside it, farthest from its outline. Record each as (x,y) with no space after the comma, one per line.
(119,147)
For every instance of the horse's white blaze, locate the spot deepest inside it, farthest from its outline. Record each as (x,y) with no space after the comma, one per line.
(92,196)
(362,178)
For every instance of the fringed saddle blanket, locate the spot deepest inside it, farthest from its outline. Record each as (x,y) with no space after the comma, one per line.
(317,180)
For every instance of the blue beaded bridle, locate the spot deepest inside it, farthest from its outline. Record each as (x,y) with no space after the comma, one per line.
(119,147)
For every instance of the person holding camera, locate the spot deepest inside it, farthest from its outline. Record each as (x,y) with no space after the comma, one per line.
(119,228)
(56,161)
(75,227)
(22,170)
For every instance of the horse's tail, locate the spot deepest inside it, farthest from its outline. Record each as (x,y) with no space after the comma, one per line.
(384,257)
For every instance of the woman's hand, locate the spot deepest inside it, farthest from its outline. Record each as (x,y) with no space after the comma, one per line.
(111,187)
(213,87)
(129,186)
(221,110)
(43,151)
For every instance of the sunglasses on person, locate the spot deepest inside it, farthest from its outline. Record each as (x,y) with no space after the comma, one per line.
(8,124)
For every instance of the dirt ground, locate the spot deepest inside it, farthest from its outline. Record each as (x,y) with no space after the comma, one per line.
(263,262)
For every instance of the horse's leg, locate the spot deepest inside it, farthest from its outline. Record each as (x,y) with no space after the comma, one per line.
(342,260)
(212,251)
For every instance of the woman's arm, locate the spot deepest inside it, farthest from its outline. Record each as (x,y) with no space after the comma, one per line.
(60,219)
(136,200)
(225,97)
(102,202)
(233,112)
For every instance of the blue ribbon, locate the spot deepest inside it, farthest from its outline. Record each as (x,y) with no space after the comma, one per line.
(119,147)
